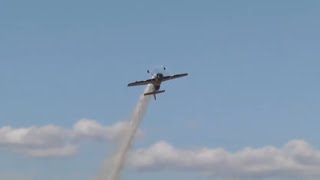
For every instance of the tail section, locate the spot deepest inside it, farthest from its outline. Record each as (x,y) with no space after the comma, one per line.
(154,93)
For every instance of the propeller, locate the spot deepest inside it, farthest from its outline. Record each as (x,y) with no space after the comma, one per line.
(162,69)
(151,73)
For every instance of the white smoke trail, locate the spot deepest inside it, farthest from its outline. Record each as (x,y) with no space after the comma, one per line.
(113,169)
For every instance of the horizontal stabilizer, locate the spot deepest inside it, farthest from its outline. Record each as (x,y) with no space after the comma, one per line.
(154,92)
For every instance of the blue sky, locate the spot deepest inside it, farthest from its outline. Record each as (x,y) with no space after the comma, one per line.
(253,75)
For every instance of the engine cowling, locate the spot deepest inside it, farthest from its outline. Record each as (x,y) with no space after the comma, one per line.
(160,76)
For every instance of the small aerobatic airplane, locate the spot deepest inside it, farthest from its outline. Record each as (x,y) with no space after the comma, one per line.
(156,81)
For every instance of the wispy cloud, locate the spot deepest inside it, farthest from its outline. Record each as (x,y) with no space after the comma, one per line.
(14,175)
(59,151)
(54,141)
(295,159)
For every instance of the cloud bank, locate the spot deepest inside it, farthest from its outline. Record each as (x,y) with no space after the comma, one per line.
(296,159)
(54,141)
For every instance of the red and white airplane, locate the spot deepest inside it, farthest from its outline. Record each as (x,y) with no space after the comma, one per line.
(156,81)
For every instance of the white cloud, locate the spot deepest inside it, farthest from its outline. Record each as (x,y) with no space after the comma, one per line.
(33,136)
(54,141)
(295,159)
(63,151)
(90,129)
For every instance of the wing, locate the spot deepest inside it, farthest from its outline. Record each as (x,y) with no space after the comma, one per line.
(166,78)
(138,83)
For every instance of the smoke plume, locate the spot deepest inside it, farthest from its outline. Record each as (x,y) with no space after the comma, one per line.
(114,166)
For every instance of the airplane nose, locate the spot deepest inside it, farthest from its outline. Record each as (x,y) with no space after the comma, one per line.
(160,75)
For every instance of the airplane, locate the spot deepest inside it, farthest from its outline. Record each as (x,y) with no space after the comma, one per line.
(156,82)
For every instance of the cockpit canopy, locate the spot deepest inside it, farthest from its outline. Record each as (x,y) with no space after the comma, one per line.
(159,76)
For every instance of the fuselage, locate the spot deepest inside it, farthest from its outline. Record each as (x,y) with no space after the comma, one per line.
(158,79)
